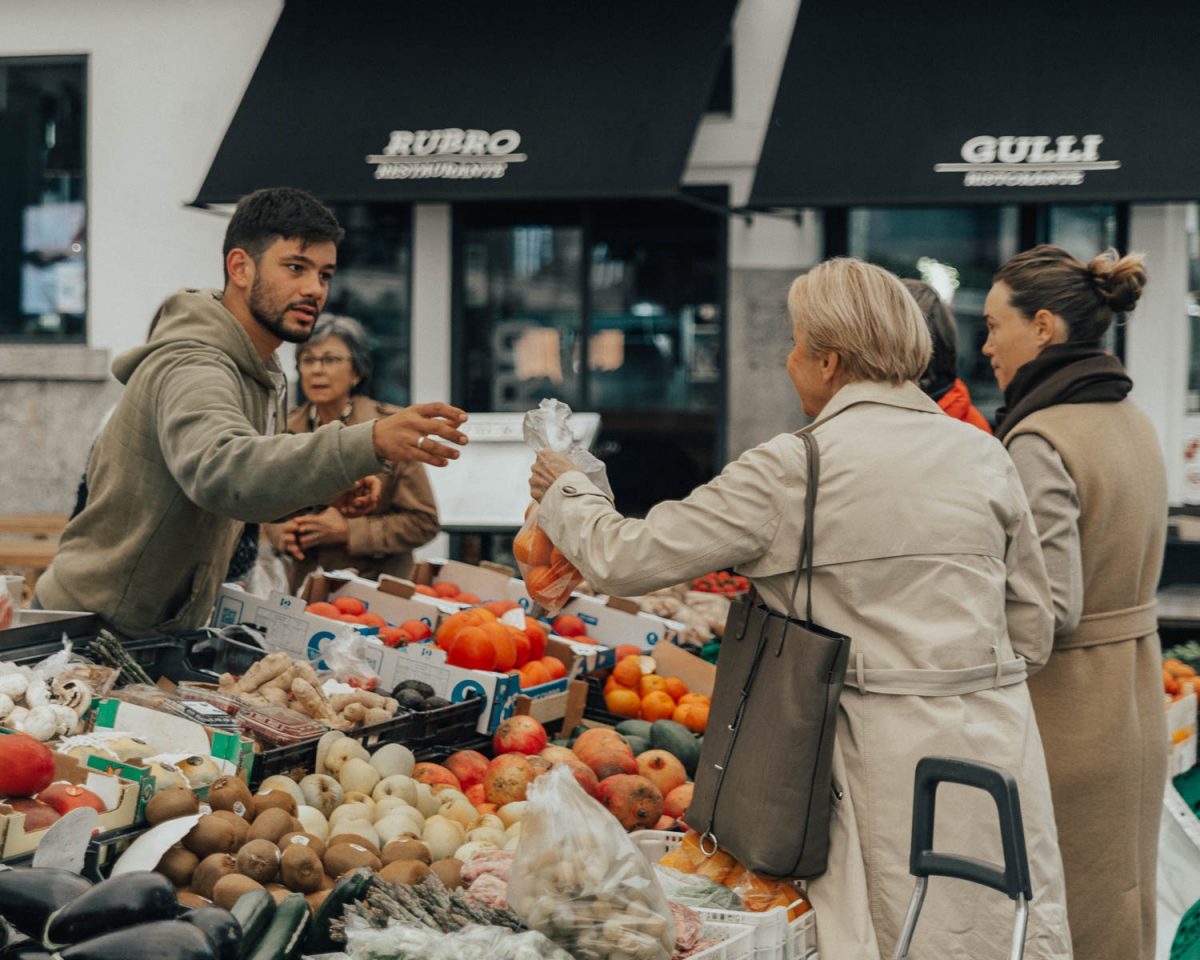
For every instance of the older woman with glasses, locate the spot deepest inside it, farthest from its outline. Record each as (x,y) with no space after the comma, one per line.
(335,372)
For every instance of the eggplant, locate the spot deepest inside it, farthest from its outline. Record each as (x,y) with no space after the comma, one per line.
(220,926)
(29,895)
(160,940)
(25,949)
(121,901)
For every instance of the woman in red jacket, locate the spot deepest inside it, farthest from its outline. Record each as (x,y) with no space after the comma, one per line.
(940,380)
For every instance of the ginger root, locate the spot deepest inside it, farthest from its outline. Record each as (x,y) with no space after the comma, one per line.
(265,670)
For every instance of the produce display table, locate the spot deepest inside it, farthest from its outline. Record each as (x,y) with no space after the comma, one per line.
(41,525)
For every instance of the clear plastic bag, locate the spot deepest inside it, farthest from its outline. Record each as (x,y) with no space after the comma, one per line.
(579,879)
(410,942)
(349,660)
(549,576)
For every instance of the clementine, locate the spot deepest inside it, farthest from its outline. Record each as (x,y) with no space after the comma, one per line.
(472,649)
(628,672)
(658,705)
(531,547)
(417,630)
(627,650)
(694,698)
(373,620)
(569,625)
(694,716)
(499,608)
(454,623)
(323,610)
(533,674)
(676,688)
(446,589)
(520,640)
(424,590)
(350,605)
(536,633)
(555,667)
(651,683)
(623,702)
(467,598)
(502,642)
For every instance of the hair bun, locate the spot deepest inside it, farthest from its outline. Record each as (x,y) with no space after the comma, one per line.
(1119,280)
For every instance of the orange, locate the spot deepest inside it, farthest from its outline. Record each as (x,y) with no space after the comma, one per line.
(657,705)
(622,702)
(536,633)
(521,642)
(650,683)
(568,625)
(446,589)
(502,641)
(628,672)
(543,585)
(694,716)
(417,630)
(556,557)
(676,688)
(555,667)
(694,698)
(424,590)
(531,547)
(499,608)
(350,605)
(466,598)
(373,620)
(323,610)
(628,650)
(484,615)
(585,639)
(472,649)
(533,674)
(452,624)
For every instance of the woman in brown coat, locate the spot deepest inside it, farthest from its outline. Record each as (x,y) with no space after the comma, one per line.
(1093,472)
(335,370)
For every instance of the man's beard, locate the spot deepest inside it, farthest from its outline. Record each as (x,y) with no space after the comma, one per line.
(271,317)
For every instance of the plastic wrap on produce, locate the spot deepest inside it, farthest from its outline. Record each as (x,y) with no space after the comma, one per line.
(580,880)
(403,942)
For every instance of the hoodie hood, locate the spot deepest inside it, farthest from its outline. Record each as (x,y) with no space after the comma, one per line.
(198,316)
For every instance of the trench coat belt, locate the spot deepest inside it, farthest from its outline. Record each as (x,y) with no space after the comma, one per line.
(1114,626)
(934,683)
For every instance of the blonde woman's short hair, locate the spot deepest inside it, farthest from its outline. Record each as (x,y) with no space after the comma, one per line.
(865,315)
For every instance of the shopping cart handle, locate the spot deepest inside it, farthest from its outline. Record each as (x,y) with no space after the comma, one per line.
(1013,878)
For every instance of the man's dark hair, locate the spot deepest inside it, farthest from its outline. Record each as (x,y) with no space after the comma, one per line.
(265,215)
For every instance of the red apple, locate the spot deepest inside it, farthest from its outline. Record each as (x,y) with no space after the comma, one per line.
(26,766)
(65,796)
(38,816)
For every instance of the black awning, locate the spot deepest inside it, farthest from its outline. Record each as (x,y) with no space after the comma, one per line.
(945,102)
(474,99)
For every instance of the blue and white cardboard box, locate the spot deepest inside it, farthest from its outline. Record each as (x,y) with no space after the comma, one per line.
(613,621)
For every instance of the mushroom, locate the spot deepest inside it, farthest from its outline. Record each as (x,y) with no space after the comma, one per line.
(74,694)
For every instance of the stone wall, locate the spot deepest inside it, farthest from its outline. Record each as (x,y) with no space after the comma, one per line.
(762,401)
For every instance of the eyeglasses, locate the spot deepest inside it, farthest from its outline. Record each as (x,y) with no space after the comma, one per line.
(326,362)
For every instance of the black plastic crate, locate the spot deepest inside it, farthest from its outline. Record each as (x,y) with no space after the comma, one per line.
(448,726)
(437,753)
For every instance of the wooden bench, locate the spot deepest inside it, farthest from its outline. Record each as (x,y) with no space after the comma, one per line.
(28,542)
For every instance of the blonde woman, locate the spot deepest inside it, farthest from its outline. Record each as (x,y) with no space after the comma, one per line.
(926,556)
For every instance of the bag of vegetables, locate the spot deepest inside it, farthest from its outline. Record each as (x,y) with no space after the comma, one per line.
(579,879)
(549,576)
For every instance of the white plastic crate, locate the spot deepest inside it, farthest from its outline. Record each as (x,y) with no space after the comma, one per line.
(737,942)
(774,937)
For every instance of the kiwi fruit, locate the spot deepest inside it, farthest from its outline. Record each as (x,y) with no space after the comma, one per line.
(301,869)
(231,793)
(178,865)
(449,871)
(211,835)
(270,824)
(297,825)
(407,872)
(172,803)
(189,898)
(274,800)
(230,887)
(405,850)
(341,858)
(353,838)
(259,860)
(315,844)
(211,869)
(240,826)
(279,892)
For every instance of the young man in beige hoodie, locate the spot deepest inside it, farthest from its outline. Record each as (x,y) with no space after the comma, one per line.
(191,452)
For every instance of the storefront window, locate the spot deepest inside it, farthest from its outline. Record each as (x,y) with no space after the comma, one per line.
(373,285)
(954,249)
(43,213)
(1083,231)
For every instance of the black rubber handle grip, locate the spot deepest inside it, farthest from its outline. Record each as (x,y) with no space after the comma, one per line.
(1013,877)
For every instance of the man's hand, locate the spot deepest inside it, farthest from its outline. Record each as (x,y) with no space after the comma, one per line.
(327,528)
(291,541)
(360,499)
(409,434)
(548,467)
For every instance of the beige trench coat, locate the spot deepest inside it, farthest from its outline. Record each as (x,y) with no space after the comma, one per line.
(926,556)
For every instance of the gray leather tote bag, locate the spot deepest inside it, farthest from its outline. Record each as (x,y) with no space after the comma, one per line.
(764,786)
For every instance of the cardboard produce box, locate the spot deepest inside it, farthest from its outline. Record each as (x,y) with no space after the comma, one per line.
(121,795)
(392,598)
(488,581)
(614,621)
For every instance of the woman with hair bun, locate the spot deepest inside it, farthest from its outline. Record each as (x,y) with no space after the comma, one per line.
(1094,476)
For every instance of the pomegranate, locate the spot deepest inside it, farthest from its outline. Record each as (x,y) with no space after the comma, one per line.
(38,816)
(26,766)
(633,800)
(435,773)
(519,735)
(468,765)
(508,777)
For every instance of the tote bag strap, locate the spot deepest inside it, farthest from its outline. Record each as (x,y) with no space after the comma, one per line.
(806,542)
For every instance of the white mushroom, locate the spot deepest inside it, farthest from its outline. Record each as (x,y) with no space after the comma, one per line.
(6,705)
(13,685)
(74,694)
(41,724)
(37,694)
(66,719)
(17,717)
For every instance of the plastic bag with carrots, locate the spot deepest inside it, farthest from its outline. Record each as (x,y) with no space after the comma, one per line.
(549,576)
(758,893)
